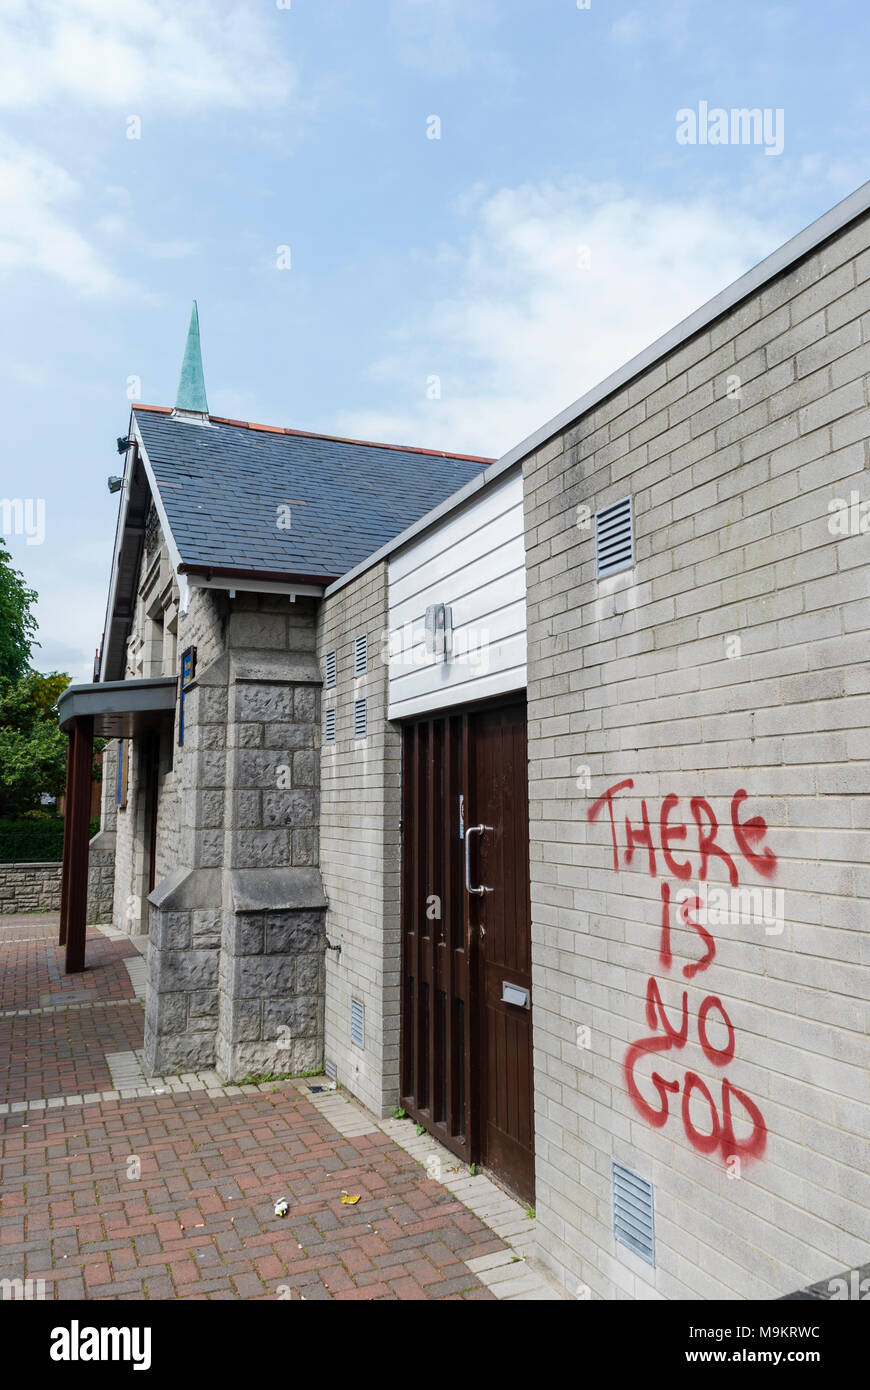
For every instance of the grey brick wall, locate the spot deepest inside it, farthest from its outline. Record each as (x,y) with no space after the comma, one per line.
(359,832)
(732,657)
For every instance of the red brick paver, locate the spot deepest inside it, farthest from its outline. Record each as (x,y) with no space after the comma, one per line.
(61,1049)
(172,1196)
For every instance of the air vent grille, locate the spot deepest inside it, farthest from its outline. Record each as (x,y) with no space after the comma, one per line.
(360,655)
(359,718)
(357,1023)
(614,538)
(633,1218)
(329,669)
(329,725)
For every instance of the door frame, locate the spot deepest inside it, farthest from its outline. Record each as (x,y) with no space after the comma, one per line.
(467,1147)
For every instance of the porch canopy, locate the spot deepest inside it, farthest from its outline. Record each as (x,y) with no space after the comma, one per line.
(107,709)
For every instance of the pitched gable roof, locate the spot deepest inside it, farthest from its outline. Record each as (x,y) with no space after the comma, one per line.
(222,485)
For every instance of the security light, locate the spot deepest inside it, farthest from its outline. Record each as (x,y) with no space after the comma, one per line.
(114,483)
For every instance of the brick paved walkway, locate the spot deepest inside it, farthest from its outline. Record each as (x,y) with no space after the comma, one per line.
(172,1195)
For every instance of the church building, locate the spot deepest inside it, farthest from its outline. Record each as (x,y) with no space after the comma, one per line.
(531,795)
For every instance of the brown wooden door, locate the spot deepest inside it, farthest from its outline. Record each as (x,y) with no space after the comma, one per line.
(436,1015)
(501,921)
(466,1063)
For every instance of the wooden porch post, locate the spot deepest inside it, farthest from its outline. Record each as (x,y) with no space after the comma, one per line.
(67,824)
(80,810)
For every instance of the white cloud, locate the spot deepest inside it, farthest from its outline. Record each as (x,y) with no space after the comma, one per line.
(133,54)
(121,228)
(629,27)
(675,25)
(138,57)
(525,329)
(443,36)
(35,230)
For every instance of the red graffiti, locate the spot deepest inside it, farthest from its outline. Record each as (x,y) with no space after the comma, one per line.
(694,968)
(670,833)
(747,835)
(719,1130)
(708,1126)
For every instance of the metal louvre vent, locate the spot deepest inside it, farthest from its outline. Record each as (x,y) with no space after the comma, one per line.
(360,655)
(633,1211)
(614,538)
(331,1070)
(329,669)
(357,1022)
(329,725)
(359,718)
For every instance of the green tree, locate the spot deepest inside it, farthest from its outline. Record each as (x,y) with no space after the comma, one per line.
(17,622)
(32,746)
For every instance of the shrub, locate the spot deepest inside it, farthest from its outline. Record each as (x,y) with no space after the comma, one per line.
(34,841)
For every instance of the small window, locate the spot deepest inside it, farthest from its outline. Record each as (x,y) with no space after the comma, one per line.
(359,718)
(614,538)
(329,725)
(360,655)
(329,670)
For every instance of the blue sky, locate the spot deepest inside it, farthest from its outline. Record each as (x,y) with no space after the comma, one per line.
(554,229)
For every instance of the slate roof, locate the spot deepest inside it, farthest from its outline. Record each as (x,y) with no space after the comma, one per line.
(221,485)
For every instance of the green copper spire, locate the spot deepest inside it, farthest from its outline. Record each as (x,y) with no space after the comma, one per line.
(191,383)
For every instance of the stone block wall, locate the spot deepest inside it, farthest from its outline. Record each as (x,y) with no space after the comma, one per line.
(237,936)
(181,1003)
(715,697)
(101,851)
(30,888)
(360,847)
(203,626)
(271,980)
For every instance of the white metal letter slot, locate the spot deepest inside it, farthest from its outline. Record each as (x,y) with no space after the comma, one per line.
(514,994)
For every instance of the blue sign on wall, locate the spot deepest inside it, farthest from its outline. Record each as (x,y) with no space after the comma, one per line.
(188,667)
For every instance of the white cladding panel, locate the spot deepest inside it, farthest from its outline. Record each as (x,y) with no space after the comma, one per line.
(475,563)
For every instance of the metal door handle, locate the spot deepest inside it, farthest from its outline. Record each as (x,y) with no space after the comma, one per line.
(473,830)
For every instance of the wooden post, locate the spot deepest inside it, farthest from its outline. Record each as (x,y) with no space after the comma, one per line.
(67,824)
(80,809)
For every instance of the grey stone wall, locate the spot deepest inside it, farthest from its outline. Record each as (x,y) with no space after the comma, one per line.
(101,851)
(203,626)
(238,935)
(101,877)
(732,656)
(274,936)
(360,847)
(181,1002)
(30,887)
